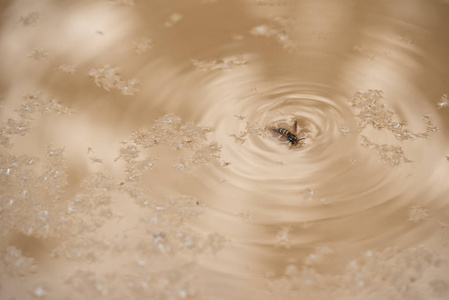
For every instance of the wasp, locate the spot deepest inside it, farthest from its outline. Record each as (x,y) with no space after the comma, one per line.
(291,137)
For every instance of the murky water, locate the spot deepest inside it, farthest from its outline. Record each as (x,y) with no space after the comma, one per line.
(139,157)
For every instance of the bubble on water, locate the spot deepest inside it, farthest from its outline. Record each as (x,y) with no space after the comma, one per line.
(418,213)
(143,45)
(443,101)
(31,19)
(110,78)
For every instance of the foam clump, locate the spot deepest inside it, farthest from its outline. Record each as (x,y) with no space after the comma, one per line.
(31,19)
(142,45)
(109,78)
(33,103)
(227,63)
(281,28)
(398,274)
(188,138)
(372,112)
(14,263)
(418,213)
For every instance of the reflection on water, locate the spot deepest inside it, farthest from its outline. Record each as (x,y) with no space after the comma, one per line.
(138,157)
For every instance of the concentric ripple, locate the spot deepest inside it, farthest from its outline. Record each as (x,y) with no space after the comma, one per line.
(140,157)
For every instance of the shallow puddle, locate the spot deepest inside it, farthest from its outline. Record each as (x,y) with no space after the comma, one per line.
(146,149)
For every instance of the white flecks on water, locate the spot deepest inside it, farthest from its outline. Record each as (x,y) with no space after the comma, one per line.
(147,150)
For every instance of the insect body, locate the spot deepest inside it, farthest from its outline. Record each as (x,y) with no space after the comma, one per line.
(293,139)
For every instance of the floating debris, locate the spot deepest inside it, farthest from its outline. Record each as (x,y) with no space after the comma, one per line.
(365,51)
(69,69)
(30,19)
(173,19)
(318,255)
(109,78)
(189,138)
(227,63)
(418,213)
(390,154)
(406,39)
(371,111)
(238,37)
(38,54)
(345,131)
(283,237)
(14,263)
(34,102)
(274,2)
(250,129)
(398,275)
(40,292)
(443,101)
(124,2)
(281,29)
(143,45)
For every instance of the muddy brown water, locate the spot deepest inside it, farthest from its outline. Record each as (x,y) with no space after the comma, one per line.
(139,158)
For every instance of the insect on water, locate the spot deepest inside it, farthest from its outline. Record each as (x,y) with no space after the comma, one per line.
(292,138)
